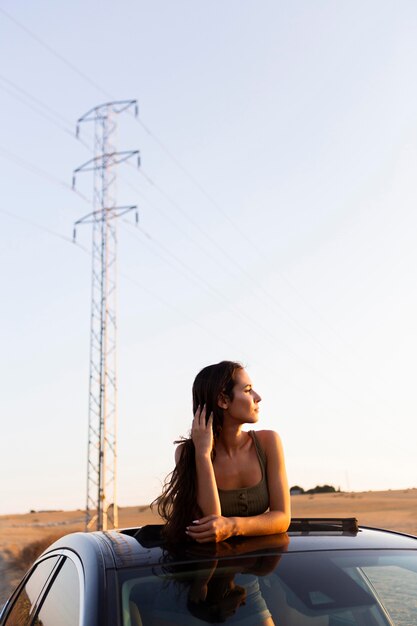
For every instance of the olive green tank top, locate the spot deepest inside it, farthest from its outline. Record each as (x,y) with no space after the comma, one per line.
(247,501)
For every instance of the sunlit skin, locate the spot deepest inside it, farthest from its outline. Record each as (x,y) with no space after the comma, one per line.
(236,465)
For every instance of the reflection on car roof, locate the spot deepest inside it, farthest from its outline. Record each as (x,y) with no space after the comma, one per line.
(145,546)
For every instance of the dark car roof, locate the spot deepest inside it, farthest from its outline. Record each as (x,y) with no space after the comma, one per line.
(139,547)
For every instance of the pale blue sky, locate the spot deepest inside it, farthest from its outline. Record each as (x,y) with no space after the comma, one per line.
(287,241)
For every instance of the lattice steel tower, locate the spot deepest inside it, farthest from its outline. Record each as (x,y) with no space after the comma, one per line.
(101,508)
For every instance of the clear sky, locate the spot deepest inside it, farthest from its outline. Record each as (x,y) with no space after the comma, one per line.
(277,199)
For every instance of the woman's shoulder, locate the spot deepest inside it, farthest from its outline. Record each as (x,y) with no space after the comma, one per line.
(269,440)
(267,436)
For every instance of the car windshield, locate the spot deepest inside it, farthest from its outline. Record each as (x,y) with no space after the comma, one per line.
(340,588)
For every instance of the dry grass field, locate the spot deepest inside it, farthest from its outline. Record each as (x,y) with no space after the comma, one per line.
(393,510)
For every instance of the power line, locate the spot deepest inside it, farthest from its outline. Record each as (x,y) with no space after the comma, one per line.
(201,281)
(171,155)
(184,314)
(38,171)
(35,169)
(264,293)
(187,173)
(40,108)
(169,304)
(171,221)
(233,262)
(43,173)
(252,322)
(156,296)
(45,229)
(56,54)
(51,50)
(23,95)
(173,202)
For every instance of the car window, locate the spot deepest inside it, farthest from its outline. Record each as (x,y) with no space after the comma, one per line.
(61,605)
(26,600)
(345,588)
(397,588)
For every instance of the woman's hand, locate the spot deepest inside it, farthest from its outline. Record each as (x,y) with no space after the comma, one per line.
(211,528)
(202,433)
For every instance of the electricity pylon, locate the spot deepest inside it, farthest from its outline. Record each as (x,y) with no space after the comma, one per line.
(101,508)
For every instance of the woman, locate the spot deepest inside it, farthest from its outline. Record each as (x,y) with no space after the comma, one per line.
(226,481)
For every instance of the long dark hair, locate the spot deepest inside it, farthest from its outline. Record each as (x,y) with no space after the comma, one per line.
(177,504)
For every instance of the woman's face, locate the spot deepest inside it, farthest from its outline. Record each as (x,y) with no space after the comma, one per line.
(244,406)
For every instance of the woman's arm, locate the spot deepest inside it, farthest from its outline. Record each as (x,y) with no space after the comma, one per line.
(202,436)
(215,527)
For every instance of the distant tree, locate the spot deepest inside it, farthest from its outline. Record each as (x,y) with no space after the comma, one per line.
(296,489)
(322,489)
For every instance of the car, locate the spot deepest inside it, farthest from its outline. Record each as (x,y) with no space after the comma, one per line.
(322,572)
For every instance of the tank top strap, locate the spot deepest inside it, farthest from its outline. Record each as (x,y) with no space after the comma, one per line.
(259,451)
